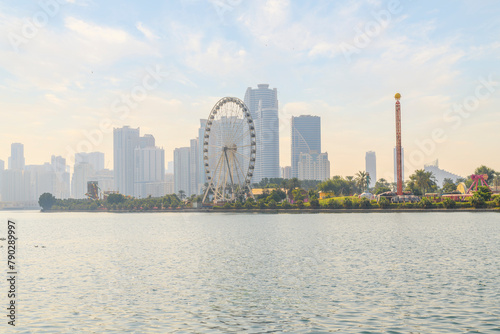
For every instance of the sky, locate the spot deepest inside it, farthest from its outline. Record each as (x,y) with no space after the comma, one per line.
(71,70)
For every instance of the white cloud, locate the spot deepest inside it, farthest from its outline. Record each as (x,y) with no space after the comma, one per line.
(147,33)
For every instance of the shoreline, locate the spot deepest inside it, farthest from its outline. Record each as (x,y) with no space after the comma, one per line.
(285,211)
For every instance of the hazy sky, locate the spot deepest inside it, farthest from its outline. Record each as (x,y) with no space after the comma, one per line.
(78,66)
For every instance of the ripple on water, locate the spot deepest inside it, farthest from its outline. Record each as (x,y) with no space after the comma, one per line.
(195,273)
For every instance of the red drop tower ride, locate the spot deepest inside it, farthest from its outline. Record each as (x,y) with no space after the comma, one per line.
(399,170)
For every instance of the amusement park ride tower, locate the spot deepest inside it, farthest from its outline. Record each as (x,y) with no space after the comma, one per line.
(399,170)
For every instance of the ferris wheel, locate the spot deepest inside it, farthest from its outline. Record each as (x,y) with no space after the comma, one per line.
(229,151)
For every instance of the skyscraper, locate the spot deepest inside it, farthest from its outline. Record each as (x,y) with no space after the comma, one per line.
(402,164)
(16,159)
(16,182)
(149,170)
(82,172)
(371,167)
(181,170)
(263,105)
(193,165)
(202,178)
(95,159)
(306,137)
(125,140)
(314,166)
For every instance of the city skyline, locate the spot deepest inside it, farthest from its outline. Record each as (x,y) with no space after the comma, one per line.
(55,98)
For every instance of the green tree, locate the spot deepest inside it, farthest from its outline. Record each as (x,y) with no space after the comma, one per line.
(347,204)
(423,180)
(484,192)
(333,204)
(362,180)
(449,186)
(449,203)
(46,201)
(286,205)
(300,204)
(271,204)
(477,201)
(314,203)
(485,170)
(364,203)
(382,186)
(297,194)
(182,194)
(425,203)
(383,203)
(292,184)
(312,194)
(115,198)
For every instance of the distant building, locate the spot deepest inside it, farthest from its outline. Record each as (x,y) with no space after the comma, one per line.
(16,159)
(182,171)
(263,105)
(16,186)
(169,184)
(170,167)
(82,173)
(149,171)
(305,137)
(440,174)
(202,178)
(125,141)
(287,172)
(314,166)
(16,181)
(105,180)
(2,168)
(95,159)
(402,164)
(371,167)
(194,173)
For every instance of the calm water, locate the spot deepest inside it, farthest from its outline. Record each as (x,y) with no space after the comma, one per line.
(222,273)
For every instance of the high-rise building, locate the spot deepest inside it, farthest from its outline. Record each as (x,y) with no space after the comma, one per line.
(287,172)
(402,164)
(2,168)
(125,140)
(82,173)
(263,105)
(16,159)
(371,167)
(149,171)
(170,167)
(305,137)
(202,177)
(194,165)
(16,182)
(182,172)
(61,182)
(314,166)
(16,186)
(95,159)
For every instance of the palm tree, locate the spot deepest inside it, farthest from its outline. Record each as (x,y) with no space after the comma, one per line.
(423,180)
(362,180)
(182,194)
